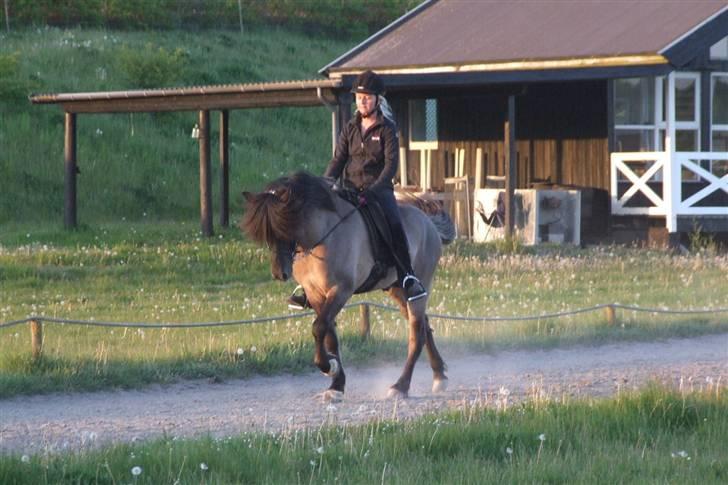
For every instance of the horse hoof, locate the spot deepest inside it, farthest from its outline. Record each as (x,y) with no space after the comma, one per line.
(394,393)
(439,385)
(331,395)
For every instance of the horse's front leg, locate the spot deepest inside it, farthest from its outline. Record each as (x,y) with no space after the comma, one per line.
(326,343)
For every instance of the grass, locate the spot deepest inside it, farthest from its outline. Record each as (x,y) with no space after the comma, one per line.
(656,436)
(158,272)
(143,165)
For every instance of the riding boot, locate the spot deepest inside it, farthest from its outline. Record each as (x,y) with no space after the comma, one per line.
(298,301)
(413,287)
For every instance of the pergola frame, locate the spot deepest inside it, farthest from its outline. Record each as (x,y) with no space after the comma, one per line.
(200,99)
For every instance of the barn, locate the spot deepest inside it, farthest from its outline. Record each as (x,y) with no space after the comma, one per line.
(624,102)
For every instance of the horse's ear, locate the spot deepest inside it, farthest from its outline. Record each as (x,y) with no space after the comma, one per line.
(248,196)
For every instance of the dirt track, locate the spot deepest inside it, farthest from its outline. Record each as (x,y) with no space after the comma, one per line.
(58,422)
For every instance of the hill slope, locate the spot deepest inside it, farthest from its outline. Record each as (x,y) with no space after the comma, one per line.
(146,165)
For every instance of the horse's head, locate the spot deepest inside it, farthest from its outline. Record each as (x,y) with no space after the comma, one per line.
(274,217)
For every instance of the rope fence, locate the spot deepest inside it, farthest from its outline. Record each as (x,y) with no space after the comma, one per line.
(36,322)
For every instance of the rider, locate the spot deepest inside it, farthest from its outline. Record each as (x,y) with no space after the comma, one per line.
(367,155)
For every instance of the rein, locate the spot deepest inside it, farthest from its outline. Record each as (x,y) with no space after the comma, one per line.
(328,233)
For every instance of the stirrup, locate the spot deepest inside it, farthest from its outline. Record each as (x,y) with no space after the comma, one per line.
(298,302)
(414,290)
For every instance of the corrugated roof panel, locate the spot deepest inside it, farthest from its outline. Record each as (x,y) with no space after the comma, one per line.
(457,32)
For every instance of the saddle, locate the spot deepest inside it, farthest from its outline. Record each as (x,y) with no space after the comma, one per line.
(380,236)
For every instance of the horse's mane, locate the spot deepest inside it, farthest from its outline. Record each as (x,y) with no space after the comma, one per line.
(274,214)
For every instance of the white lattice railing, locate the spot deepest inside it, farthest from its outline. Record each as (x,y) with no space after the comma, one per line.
(659,177)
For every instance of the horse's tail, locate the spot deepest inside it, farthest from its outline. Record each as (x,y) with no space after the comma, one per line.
(445,226)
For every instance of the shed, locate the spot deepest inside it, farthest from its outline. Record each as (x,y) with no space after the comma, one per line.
(625,101)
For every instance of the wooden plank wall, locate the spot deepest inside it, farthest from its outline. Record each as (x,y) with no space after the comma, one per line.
(561,131)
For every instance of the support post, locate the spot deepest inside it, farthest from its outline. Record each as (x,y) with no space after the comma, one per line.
(205,179)
(224,169)
(70,220)
(365,328)
(510,165)
(611,315)
(672,185)
(36,338)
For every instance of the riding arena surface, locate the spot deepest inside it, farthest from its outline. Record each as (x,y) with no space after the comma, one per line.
(64,422)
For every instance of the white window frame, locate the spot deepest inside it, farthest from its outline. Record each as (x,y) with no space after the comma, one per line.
(422,145)
(659,127)
(715,127)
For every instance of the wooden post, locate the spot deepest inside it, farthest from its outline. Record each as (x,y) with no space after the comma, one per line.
(205,179)
(71,170)
(510,168)
(478,168)
(36,338)
(224,169)
(611,315)
(365,328)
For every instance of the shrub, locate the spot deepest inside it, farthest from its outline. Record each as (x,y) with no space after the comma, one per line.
(11,86)
(152,66)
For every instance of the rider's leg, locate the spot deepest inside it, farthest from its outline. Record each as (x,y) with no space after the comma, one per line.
(405,274)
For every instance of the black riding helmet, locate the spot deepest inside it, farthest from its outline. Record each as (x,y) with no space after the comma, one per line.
(368,82)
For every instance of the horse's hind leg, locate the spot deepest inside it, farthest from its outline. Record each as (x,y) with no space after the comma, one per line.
(439,379)
(415,342)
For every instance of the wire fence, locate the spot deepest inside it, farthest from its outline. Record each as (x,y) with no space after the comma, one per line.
(292,316)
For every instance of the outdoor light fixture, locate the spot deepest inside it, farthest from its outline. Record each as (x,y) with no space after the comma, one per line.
(195,132)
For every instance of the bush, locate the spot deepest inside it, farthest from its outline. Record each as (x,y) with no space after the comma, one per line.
(152,67)
(12,88)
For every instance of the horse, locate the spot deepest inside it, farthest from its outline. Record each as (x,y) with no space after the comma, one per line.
(321,240)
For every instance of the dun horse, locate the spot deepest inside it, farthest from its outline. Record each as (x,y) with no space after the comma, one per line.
(321,240)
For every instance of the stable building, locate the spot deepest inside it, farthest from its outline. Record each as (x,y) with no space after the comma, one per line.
(626,103)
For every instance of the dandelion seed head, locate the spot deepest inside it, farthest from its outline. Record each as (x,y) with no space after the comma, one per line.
(136,471)
(25,459)
(203,466)
(542,437)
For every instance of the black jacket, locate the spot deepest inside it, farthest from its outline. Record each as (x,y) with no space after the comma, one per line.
(369,161)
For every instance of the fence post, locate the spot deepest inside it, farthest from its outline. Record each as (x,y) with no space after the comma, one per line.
(365,328)
(611,315)
(36,338)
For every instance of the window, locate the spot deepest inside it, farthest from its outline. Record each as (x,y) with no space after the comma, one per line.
(423,124)
(719,121)
(640,111)
(640,115)
(719,50)
(634,114)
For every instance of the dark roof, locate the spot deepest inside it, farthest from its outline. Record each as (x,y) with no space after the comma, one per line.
(230,96)
(482,35)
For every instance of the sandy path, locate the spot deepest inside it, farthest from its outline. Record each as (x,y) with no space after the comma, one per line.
(74,421)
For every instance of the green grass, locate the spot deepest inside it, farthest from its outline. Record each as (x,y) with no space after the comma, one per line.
(154,272)
(656,436)
(139,166)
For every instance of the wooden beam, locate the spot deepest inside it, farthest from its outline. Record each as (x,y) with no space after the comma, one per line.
(71,171)
(205,179)
(193,102)
(224,169)
(511,173)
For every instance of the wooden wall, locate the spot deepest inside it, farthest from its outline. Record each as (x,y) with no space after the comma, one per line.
(561,132)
